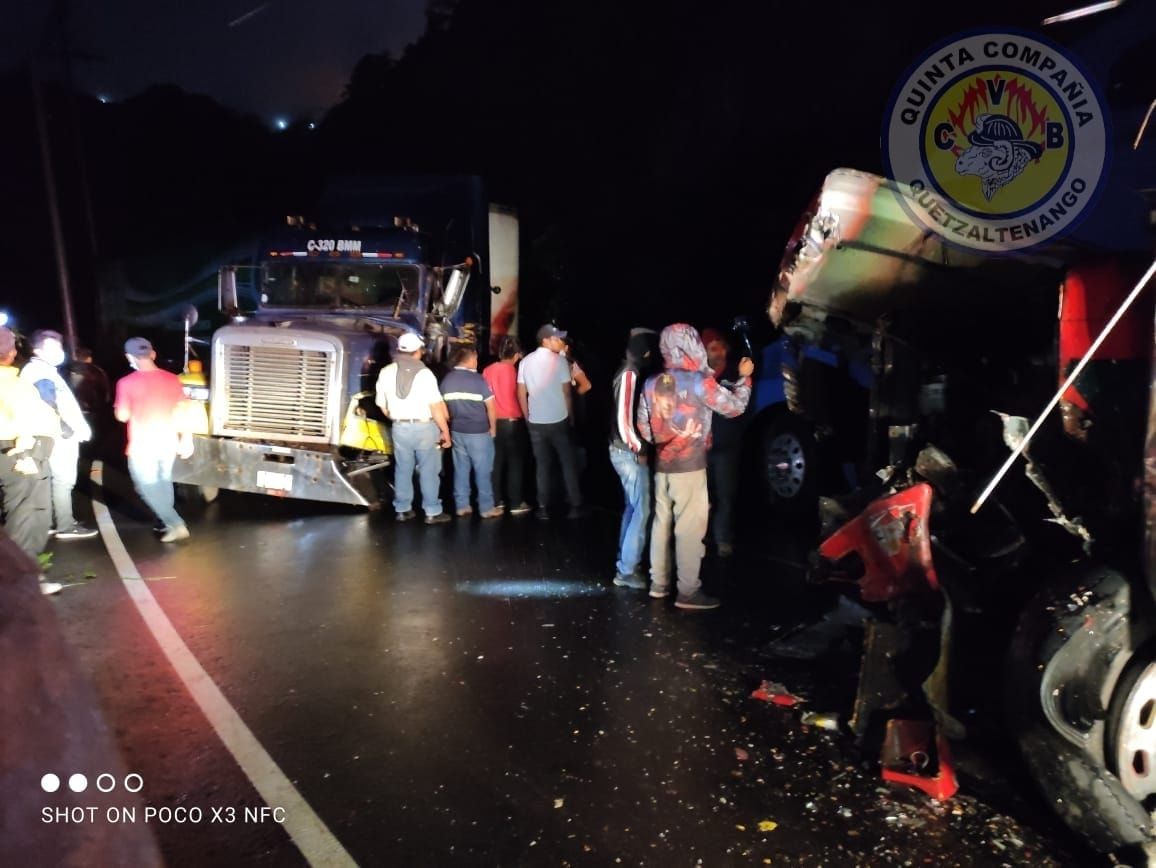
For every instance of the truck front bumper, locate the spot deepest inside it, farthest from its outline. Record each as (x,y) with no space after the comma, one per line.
(281,471)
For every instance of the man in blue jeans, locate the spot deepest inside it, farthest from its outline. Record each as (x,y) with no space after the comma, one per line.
(473,423)
(148,401)
(629,457)
(407,393)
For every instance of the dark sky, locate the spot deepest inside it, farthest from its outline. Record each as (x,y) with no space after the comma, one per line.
(287,57)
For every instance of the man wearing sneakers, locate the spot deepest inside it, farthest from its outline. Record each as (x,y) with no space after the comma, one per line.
(628,455)
(675,415)
(42,371)
(27,430)
(472,425)
(546,401)
(148,400)
(407,393)
(510,438)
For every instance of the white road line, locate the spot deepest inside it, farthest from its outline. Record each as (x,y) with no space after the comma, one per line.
(312,837)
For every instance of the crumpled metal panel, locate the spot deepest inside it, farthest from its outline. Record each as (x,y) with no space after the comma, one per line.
(893,539)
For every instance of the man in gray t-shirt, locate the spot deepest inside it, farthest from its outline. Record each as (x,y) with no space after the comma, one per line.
(544,395)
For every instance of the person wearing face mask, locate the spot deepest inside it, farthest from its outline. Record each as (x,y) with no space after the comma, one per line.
(42,371)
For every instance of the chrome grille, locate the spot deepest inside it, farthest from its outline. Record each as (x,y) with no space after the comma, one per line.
(277,392)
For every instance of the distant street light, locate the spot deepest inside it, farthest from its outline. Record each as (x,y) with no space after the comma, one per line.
(281,123)
(3,318)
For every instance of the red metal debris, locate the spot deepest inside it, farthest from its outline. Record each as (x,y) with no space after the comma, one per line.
(893,539)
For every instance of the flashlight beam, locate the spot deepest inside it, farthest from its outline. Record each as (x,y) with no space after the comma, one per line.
(1072,377)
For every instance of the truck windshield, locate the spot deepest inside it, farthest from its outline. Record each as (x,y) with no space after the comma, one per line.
(332,285)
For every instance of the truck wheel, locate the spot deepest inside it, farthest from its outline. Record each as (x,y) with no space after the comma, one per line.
(1080,692)
(789,464)
(196,494)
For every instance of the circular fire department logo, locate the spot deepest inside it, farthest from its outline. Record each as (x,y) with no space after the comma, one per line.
(1001,139)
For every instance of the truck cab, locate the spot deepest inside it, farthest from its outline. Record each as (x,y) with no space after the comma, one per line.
(313,319)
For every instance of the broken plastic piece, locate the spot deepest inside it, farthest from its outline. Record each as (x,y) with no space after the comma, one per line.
(906,758)
(773,692)
(821,719)
(893,539)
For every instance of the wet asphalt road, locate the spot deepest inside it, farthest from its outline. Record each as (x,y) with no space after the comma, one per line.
(479,694)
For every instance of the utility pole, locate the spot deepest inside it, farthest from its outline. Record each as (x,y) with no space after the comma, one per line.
(67,54)
(54,213)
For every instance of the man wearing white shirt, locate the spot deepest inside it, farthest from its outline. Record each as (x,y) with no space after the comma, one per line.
(408,394)
(545,397)
(42,372)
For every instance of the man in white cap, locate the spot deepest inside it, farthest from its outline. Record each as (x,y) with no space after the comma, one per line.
(408,394)
(148,400)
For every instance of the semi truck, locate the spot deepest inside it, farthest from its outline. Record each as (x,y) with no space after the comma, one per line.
(314,316)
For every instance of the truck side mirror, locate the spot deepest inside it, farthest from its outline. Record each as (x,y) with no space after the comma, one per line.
(455,290)
(227,290)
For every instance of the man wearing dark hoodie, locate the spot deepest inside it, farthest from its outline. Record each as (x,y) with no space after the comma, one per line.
(675,415)
(628,455)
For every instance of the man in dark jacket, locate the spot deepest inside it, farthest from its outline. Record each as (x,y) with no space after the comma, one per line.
(473,422)
(628,455)
(675,414)
(722,461)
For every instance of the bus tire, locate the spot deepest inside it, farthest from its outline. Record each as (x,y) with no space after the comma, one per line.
(1070,663)
(788,458)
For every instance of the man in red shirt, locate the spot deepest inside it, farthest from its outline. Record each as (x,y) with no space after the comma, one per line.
(148,400)
(510,440)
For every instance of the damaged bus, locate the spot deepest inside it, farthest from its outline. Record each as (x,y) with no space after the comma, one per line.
(1033,614)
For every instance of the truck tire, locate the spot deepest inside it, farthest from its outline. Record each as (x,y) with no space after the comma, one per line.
(788,457)
(1078,667)
(196,495)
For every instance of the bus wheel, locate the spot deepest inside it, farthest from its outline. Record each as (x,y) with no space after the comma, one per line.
(1080,692)
(789,464)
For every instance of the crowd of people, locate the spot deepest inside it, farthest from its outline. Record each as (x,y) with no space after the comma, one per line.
(678,482)
(48,413)
(677,465)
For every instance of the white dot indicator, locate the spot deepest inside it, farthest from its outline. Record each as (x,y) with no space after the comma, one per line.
(106,783)
(139,783)
(78,783)
(50,783)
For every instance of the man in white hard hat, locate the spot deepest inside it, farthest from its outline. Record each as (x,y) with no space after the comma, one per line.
(408,394)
